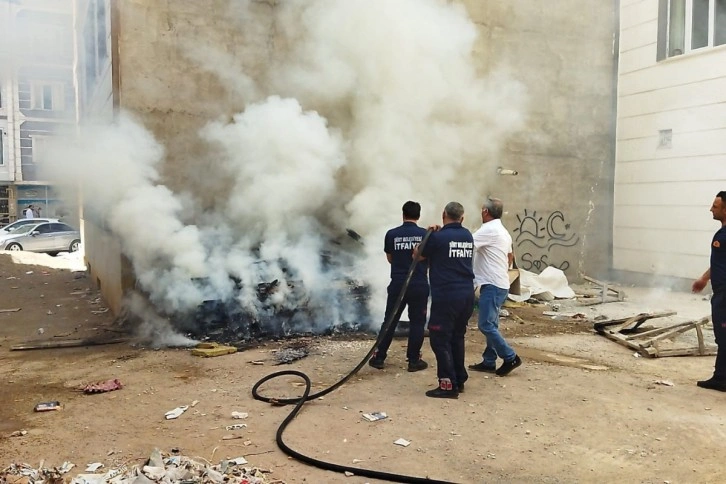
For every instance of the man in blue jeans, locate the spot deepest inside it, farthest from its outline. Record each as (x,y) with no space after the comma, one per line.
(492,258)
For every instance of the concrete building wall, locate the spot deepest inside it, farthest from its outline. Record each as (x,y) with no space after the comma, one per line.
(671,149)
(558,207)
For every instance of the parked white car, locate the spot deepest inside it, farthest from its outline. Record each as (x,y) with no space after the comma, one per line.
(23,222)
(49,237)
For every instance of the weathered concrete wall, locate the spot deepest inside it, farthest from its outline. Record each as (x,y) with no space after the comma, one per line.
(559,206)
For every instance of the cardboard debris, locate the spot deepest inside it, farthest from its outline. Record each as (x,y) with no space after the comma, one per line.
(402,442)
(209,350)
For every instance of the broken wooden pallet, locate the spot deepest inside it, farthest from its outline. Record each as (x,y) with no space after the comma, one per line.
(607,293)
(627,332)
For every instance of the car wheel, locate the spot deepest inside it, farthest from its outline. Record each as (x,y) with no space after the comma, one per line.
(75,245)
(14,246)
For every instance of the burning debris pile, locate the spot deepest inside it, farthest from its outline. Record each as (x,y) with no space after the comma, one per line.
(254,311)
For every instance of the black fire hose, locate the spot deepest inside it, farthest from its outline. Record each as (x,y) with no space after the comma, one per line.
(299,402)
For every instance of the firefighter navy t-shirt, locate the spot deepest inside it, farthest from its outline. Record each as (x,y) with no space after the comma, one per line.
(449,252)
(718,261)
(400,242)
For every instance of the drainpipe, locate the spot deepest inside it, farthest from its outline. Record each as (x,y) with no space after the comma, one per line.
(613,128)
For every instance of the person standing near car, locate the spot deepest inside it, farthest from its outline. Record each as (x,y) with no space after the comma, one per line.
(399,243)
(29,213)
(449,252)
(716,273)
(492,258)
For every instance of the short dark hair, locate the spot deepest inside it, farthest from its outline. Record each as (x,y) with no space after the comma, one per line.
(411,210)
(721,195)
(494,206)
(454,211)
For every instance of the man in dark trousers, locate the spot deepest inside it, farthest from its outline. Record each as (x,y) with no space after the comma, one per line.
(398,245)
(449,252)
(716,273)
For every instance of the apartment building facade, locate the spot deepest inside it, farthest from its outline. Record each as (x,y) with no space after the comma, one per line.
(37,102)
(671,135)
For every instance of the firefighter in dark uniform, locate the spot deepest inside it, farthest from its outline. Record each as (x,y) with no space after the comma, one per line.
(449,252)
(716,273)
(398,245)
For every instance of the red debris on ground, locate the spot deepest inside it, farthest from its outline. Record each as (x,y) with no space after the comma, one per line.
(103,386)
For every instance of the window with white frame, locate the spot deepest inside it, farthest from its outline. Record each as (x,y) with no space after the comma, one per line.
(48,96)
(690,25)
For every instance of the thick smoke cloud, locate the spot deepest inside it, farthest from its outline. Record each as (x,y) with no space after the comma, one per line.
(362,106)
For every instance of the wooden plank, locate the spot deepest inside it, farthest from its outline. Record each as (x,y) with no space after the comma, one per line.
(70,343)
(660,331)
(602,325)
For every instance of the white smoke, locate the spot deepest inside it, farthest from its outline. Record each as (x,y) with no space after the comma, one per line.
(362,106)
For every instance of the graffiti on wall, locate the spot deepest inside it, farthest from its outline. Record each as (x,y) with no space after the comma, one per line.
(536,236)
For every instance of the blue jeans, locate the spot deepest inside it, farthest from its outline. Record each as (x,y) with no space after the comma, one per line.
(491,299)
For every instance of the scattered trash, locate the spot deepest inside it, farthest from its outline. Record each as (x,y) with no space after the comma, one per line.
(172,414)
(209,350)
(172,469)
(240,415)
(29,272)
(103,386)
(41,330)
(372,417)
(636,355)
(231,437)
(257,362)
(555,307)
(503,313)
(402,442)
(236,426)
(47,406)
(667,383)
(13,310)
(194,403)
(19,433)
(349,474)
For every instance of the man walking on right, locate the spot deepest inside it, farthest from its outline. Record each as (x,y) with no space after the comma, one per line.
(716,273)
(492,258)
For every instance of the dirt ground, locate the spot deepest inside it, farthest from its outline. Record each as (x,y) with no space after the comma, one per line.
(580,409)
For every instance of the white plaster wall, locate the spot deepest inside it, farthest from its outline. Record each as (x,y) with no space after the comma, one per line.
(661,223)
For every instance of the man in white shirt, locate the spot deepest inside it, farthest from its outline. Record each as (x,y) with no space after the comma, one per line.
(29,212)
(492,258)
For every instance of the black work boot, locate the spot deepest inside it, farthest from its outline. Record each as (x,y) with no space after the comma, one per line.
(483,368)
(508,366)
(713,384)
(376,363)
(460,388)
(417,365)
(444,390)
